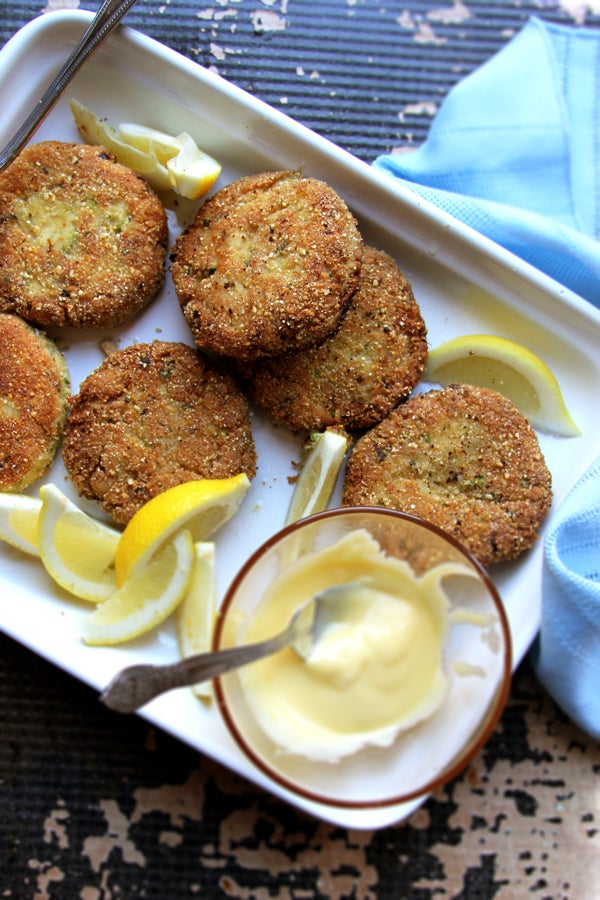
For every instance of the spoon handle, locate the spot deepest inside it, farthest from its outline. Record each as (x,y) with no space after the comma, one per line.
(107,17)
(137,685)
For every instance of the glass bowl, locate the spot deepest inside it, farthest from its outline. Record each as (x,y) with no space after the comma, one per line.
(474,658)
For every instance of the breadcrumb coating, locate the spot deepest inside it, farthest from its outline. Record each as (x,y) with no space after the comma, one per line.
(268,266)
(463,458)
(152,416)
(356,377)
(34,392)
(82,238)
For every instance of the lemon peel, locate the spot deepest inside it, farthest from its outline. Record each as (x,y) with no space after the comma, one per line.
(146,599)
(199,506)
(19,515)
(320,467)
(195,615)
(76,550)
(509,368)
(167,162)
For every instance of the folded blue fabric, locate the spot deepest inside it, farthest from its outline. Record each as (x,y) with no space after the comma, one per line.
(514,152)
(566,653)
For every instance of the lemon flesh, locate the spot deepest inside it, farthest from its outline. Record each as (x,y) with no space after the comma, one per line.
(77,550)
(509,368)
(201,507)
(156,143)
(316,482)
(147,599)
(19,515)
(197,611)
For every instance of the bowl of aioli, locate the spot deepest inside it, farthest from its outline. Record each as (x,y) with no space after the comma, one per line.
(400,694)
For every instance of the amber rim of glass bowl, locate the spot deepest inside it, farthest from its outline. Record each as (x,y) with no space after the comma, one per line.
(460,763)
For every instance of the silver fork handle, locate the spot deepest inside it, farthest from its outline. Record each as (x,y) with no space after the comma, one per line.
(107,17)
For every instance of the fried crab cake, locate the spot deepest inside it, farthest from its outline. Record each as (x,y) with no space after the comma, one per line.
(82,238)
(152,416)
(357,376)
(268,266)
(34,392)
(463,458)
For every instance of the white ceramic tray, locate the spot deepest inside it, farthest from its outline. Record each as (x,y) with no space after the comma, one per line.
(463,283)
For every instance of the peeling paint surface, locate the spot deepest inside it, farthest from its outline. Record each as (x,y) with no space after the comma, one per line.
(364,73)
(264,21)
(99,807)
(121,810)
(61,4)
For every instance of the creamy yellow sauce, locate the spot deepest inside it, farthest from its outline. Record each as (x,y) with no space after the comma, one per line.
(376,673)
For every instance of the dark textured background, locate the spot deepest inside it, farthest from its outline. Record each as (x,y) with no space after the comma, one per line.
(97,807)
(368,60)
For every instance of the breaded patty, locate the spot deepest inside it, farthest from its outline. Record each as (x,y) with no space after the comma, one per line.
(357,376)
(268,266)
(82,238)
(463,458)
(34,392)
(152,416)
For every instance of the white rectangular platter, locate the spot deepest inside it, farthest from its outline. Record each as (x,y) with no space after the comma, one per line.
(464,284)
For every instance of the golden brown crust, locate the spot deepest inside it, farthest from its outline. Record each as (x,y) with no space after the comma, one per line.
(152,416)
(357,376)
(34,391)
(82,238)
(268,266)
(463,458)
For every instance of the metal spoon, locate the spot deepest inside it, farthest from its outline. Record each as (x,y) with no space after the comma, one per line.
(107,17)
(136,685)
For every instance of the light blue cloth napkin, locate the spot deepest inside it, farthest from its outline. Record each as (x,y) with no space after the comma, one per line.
(514,152)
(566,654)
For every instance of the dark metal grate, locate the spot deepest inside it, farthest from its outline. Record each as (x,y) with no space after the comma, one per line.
(368,75)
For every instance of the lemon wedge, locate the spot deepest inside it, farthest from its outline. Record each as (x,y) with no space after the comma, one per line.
(509,368)
(167,162)
(19,515)
(197,611)
(199,506)
(77,550)
(321,464)
(95,131)
(192,172)
(147,598)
